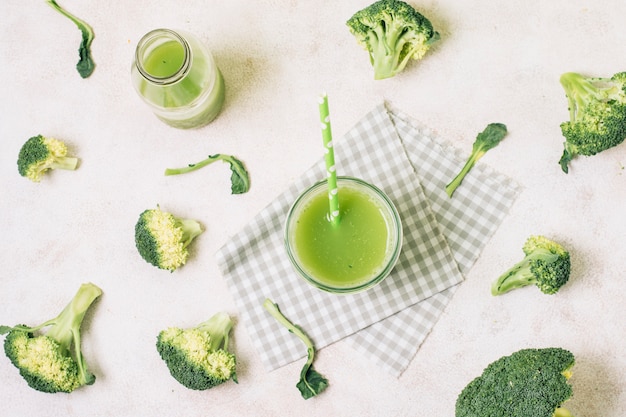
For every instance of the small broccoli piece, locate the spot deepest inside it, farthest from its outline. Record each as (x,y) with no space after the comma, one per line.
(528,383)
(40,154)
(311,382)
(486,140)
(52,361)
(198,357)
(546,264)
(162,238)
(239,178)
(392,32)
(85,65)
(597,109)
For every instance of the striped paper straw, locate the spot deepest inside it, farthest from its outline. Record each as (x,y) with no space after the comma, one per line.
(329,157)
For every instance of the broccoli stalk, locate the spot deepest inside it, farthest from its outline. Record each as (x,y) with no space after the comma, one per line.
(53,361)
(198,357)
(311,383)
(240,181)
(486,140)
(393,33)
(597,110)
(546,264)
(527,383)
(85,65)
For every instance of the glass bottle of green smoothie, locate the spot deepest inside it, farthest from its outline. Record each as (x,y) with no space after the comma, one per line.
(175,74)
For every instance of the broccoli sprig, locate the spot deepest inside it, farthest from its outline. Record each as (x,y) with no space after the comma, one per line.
(486,140)
(311,382)
(198,357)
(239,178)
(597,108)
(393,33)
(528,383)
(162,239)
(52,361)
(40,154)
(85,65)
(546,264)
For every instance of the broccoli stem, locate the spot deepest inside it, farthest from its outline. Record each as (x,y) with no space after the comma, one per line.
(240,181)
(518,276)
(66,162)
(469,164)
(581,91)
(218,326)
(197,165)
(273,309)
(66,327)
(191,229)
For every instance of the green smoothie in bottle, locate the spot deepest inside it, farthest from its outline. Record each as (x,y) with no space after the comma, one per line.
(178,78)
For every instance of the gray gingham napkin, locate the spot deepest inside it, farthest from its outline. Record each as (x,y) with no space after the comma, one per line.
(467,221)
(389,321)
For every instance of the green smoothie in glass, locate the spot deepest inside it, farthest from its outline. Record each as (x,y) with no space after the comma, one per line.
(352,255)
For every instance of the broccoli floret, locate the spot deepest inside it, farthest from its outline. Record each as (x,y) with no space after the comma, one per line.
(198,357)
(40,154)
(597,109)
(546,264)
(485,140)
(52,361)
(162,238)
(392,32)
(528,383)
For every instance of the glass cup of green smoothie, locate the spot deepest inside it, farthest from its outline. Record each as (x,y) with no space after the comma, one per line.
(352,255)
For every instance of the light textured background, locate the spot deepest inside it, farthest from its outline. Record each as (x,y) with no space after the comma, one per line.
(497,61)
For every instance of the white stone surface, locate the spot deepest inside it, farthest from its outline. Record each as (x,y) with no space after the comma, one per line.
(496,61)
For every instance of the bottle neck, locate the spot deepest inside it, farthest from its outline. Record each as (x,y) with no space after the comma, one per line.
(163,57)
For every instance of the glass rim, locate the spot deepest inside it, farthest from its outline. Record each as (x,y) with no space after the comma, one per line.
(179,73)
(395,225)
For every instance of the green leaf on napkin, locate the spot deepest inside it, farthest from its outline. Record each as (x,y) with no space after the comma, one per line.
(485,141)
(311,382)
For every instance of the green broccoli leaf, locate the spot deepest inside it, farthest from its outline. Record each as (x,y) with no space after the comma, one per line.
(85,65)
(311,382)
(239,178)
(486,140)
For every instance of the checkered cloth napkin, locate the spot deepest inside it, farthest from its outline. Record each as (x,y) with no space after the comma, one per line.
(442,239)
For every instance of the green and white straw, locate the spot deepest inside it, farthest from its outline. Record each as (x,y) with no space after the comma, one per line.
(329,157)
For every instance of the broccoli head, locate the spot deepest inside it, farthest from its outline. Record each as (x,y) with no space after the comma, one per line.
(198,357)
(40,154)
(546,264)
(392,32)
(528,383)
(597,108)
(52,361)
(162,238)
